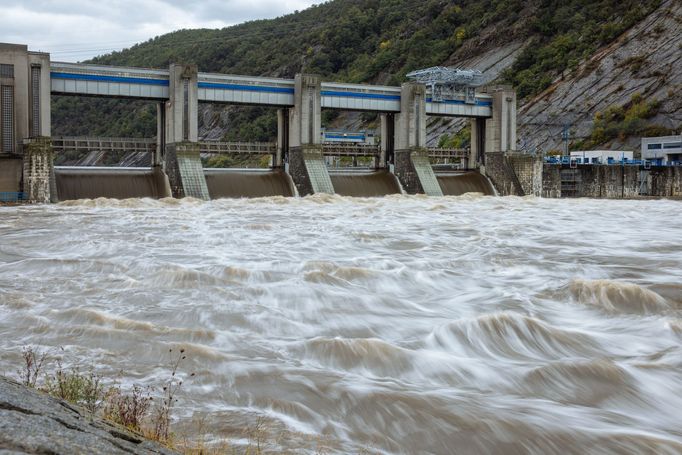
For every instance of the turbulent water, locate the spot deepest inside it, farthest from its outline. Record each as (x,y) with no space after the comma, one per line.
(394,325)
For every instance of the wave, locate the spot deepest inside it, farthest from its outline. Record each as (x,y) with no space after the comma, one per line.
(617,297)
(585,383)
(89,317)
(331,273)
(513,335)
(369,354)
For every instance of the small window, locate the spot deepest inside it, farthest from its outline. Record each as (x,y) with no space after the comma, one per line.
(654,146)
(672,145)
(7,71)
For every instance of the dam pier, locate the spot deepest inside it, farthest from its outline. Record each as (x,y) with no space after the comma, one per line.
(400,163)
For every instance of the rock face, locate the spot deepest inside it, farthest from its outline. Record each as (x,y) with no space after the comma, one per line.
(31,422)
(645,60)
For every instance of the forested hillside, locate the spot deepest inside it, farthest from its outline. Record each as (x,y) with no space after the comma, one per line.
(367,41)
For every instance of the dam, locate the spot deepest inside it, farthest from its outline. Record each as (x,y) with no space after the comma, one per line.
(402,162)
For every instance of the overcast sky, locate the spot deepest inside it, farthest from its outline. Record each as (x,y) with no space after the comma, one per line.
(75,30)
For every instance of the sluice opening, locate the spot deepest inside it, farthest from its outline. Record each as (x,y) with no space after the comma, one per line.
(112,182)
(239,183)
(458,183)
(364,183)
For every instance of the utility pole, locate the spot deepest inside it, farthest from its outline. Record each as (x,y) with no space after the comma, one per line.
(565,136)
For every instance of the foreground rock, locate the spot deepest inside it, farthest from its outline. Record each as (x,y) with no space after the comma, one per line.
(32,422)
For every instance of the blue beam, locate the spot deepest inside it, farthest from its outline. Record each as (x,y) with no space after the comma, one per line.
(248,88)
(100,78)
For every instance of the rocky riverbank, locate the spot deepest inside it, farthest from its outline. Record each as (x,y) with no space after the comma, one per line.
(35,423)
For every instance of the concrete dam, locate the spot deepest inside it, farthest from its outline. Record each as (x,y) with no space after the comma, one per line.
(400,163)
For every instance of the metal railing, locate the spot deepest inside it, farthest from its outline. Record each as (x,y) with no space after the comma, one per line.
(437,152)
(216,147)
(103,144)
(349,149)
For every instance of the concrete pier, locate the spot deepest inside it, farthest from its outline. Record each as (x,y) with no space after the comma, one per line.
(306,162)
(412,166)
(39,182)
(179,126)
(184,170)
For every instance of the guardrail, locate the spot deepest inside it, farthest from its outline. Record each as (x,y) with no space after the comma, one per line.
(215,147)
(610,162)
(104,144)
(437,152)
(341,149)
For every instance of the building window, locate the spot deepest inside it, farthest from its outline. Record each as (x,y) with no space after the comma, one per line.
(654,146)
(35,101)
(6,71)
(7,109)
(672,145)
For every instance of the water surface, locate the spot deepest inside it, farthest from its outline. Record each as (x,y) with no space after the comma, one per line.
(400,324)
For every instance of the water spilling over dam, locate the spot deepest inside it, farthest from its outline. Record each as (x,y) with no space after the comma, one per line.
(400,324)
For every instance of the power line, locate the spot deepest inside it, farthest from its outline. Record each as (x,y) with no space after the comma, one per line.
(227,39)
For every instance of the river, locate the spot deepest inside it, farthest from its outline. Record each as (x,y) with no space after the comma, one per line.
(401,324)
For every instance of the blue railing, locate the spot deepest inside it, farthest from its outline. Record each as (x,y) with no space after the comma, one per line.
(12,196)
(626,162)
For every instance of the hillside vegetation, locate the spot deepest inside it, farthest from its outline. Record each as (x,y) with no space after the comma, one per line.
(367,41)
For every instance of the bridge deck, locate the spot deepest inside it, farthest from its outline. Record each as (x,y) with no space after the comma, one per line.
(153,84)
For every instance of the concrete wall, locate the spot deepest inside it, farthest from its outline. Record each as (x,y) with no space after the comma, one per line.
(514,174)
(528,169)
(10,174)
(665,181)
(551,181)
(611,182)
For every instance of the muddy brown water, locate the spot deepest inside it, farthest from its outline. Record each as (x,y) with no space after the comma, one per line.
(401,324)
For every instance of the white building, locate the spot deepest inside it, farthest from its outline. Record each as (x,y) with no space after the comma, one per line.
(662,149)
(600,156)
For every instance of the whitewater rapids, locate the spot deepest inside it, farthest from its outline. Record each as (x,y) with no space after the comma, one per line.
(401,324)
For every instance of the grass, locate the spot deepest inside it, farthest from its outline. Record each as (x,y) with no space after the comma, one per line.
(134,408)
(148,411)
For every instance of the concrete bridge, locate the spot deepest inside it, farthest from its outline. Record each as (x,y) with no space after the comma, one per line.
(28,79)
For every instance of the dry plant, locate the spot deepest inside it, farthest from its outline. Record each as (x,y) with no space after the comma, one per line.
(84,389)
(127,409)
(33,364)
(162,415)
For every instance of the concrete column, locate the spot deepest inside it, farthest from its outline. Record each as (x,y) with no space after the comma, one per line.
(500,135)
(182,109)
(412,166)
(305,117)
(39,185)
(160,134)
(282,137)
(306,162)
(182,161)
(387,148)
(410,123)
(477,151)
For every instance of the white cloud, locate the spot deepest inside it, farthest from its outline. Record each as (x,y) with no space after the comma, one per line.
(79,29)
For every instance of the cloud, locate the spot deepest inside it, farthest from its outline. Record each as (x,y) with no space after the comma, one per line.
(76,30)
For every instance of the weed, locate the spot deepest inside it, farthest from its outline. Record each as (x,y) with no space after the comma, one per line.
(33,364)
(127,409)
(84,389)
(162,416)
